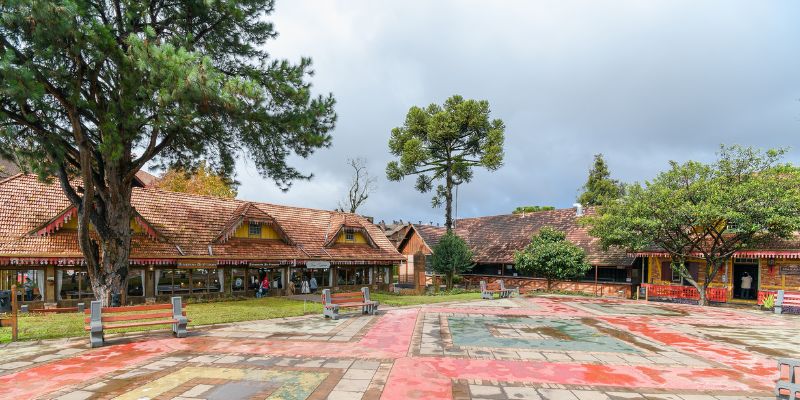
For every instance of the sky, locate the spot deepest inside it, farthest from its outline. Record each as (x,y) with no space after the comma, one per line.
(642,82)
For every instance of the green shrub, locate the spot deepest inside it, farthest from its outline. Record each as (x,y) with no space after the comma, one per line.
(769,302)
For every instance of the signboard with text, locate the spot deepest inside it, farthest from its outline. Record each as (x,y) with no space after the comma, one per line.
(318,264)
(790,269)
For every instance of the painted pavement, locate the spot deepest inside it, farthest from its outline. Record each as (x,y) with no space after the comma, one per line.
(520,348)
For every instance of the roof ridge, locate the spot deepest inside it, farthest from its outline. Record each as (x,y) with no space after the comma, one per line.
(12,177)
(520,214)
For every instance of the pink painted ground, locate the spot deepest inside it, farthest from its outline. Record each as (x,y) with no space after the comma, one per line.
(726,367)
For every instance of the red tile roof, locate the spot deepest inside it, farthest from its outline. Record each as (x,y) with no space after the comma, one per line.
(494,239)
(189,226)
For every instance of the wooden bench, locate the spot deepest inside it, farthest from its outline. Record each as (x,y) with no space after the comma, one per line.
(58,310)
(331,303)
(784,299)
(502,292)
(11,321)
(509,291)
(788,384)
(99,319)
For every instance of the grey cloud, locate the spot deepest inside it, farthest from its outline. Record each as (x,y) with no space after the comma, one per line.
(641,82)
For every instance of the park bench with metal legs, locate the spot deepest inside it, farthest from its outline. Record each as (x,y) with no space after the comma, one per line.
(788,384)
(58,310)
(102,318)
(507,292)
(331,303)
(786,299)
(488,294)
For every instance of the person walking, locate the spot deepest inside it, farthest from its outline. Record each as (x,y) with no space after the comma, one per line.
(263,290)
(747,284)
(312,284)
(28,289)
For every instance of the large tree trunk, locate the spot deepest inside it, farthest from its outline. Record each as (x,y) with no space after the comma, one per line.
(108,271)
(104,216)
(448,201)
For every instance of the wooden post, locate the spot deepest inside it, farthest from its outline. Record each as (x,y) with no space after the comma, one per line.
(595,280)
(14,320)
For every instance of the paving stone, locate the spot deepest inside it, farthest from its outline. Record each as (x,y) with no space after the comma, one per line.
(483,391)
(76,395)
(590,395)
(557,394)
(514,392)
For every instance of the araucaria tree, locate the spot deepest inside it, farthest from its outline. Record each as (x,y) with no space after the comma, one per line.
(707,211)
(599,187)
(95,89)
(451,256)
(443,144)
(551,256)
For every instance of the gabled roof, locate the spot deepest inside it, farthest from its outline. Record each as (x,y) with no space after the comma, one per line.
(250,213)
(343,222)
(430,234)
(56,223)
(190,225)
(494,239)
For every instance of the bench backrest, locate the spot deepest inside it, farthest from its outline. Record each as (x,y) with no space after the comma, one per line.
(787,298)
(501,284)
(98,313)
(347,297)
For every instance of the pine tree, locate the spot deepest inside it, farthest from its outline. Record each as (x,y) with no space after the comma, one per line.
(599,187)
(95,90)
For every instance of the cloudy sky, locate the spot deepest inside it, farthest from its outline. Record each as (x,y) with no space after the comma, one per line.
(642,82)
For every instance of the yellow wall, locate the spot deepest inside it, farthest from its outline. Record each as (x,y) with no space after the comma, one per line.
(72,224)
(358,238)
(266,232)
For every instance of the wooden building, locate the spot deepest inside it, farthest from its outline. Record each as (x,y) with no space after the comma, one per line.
(494,239)
(188,245)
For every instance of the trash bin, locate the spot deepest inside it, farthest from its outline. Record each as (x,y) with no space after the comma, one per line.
(5,301)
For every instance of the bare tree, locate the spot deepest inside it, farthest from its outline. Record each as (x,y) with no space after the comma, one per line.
(361,186)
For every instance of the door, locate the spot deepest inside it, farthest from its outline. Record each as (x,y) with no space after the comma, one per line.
(739,269)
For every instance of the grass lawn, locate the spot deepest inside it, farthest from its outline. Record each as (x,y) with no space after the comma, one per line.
(49,326)
(397,300)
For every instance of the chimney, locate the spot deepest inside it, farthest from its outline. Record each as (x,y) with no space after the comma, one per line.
(578,209)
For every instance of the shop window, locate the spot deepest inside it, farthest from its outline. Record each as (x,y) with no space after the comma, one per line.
(165,281)
(135,283)
(199,280)
(73,284)
(238,280)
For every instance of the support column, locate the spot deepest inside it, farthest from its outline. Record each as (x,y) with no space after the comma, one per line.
(228,284)
(49,295)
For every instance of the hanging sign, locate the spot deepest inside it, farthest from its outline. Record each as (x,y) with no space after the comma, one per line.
(318,264)
(790,269)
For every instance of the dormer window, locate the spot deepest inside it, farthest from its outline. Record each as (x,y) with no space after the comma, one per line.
(254,230)
(350,236)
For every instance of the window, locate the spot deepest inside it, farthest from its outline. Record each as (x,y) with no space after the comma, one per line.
(74,284)
(349,237)
(135,283)
(254,230)
(238,280)
(676,276)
